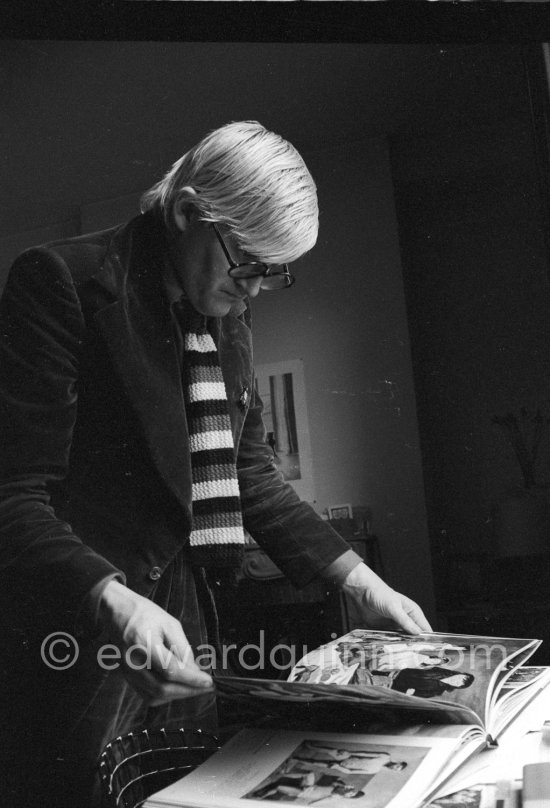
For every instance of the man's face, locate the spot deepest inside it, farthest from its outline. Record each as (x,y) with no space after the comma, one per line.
(201,268)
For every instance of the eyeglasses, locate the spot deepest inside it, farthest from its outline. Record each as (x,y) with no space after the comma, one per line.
(274,276)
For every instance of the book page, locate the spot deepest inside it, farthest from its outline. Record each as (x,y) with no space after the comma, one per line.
(355,703)
(260,766)
(459,669)
(507,674)
(525,676)
(524,686)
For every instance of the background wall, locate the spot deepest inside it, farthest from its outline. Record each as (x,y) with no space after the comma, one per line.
(88,121)
(346,318)
(473,231)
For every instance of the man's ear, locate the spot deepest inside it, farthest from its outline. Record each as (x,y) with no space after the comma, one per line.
(184,208)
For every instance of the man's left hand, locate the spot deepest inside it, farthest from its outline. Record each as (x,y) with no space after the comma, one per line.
(380,605)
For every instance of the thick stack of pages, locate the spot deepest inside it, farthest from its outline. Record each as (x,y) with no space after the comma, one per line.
(460,691)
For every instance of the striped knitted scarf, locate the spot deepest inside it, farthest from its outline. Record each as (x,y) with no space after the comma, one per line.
(217,538)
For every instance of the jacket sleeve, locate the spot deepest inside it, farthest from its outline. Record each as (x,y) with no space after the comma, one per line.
(301,543)
(42,562)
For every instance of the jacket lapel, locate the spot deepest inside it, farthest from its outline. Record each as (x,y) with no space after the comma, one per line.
(138,333)
(234,343)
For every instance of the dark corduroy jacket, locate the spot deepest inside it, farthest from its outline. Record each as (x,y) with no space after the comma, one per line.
(95,470)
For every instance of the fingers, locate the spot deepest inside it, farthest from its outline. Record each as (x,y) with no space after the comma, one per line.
(408,624)
(413,613)
(189,674)
(417,615)
(409,616)
(156,690)
(161,672)
(172,659)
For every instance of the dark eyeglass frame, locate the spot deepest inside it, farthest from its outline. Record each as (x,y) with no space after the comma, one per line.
(257,269)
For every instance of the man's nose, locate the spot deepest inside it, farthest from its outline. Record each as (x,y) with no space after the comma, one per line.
(251,286)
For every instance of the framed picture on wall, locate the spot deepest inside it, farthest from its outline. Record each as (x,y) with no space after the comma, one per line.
(340,512)
(282,389)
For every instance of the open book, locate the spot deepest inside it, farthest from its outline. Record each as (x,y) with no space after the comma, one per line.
(455,694)
(445,678)
(259,766)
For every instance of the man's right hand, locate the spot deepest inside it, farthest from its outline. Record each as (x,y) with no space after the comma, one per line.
(156,657)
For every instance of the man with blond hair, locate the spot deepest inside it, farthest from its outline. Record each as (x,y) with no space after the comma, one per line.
(134,457)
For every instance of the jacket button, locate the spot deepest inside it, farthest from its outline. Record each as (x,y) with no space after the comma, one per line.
(154,573)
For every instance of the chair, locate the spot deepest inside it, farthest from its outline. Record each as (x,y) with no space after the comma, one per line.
(134,766)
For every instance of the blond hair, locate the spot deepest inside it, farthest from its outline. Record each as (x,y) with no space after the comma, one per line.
(251,180)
